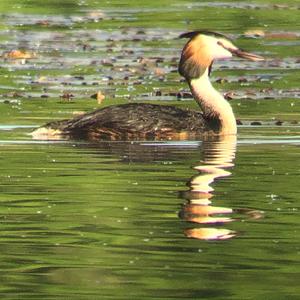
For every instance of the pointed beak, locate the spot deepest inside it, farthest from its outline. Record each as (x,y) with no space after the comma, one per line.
(247,55)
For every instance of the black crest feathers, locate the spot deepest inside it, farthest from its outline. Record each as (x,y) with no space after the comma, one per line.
(192,34)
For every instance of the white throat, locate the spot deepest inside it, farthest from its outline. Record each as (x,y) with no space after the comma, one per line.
(213,104)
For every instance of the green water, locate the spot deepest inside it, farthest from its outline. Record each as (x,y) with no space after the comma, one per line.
(129,220)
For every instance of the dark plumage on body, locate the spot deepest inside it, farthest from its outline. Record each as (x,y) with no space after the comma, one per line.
(133,121)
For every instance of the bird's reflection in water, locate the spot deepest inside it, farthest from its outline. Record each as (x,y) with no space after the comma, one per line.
(218,159)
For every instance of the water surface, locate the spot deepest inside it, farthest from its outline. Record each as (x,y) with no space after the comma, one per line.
(215,219)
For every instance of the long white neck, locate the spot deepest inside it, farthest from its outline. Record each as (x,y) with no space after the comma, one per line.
(213,104)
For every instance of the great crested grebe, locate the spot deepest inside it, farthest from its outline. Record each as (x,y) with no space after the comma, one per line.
(150,121)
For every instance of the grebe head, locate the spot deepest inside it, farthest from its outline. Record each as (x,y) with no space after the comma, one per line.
(203,48)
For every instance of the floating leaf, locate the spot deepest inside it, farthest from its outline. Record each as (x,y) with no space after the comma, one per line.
(67,96)
(19,54)
(99,97)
